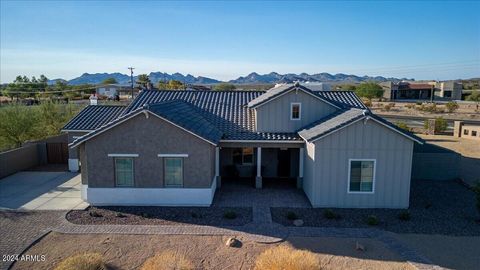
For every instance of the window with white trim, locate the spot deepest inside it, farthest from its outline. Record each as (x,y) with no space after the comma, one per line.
(361,175)
(295,111)
(173,171)
(124,172)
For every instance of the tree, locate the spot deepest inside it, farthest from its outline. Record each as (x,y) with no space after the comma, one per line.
(144,81)
(110,81)
(451,106)
(171,85)
(224,87)
(474,96)
(18,124)
(369,90)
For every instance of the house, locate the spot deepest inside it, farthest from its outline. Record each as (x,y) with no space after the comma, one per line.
(177,147)
(466,130)
(112,90)
(448,90)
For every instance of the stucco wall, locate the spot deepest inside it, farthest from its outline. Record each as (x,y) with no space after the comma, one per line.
(19,159)
(148,138)
(274,116)
(328,164)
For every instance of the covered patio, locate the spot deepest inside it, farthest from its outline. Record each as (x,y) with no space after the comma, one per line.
(260,165)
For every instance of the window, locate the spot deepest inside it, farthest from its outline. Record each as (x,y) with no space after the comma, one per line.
(295,111)
(173,171)
(474,133)
(465,132)
(124,172)
(361,175)
(243,156)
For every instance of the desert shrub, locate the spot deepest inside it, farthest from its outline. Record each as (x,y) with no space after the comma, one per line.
(419,103)
(451,106)
(404,215)
(87,261)
(167,260)
(95,214)
(329,214)
(368,103)
(285,257)
(440,124)
(291,215)
(403,125)
(230,214)
(410,106)
(387,107)
(372,220)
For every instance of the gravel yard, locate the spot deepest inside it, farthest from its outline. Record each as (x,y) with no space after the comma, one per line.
(150,215)
(446,208)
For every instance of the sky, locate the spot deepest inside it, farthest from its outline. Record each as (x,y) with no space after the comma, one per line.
(225,40)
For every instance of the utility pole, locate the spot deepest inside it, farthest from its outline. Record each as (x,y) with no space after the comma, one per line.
(131,78)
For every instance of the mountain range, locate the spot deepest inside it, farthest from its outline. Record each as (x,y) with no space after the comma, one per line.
(252,78)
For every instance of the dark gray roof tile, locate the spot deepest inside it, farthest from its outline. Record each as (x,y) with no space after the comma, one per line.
(93,117)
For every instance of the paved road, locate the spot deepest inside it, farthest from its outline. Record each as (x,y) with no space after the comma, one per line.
(41,191)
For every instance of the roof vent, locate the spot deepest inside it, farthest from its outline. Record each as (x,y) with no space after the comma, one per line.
(297,83)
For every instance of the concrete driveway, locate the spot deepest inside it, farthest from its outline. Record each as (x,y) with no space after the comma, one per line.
(41,191)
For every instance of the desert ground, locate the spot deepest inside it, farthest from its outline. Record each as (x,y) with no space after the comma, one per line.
(207,252)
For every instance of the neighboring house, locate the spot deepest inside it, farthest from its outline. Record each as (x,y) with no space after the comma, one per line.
(175,147)
(448,90)
(112,90)
(466,130)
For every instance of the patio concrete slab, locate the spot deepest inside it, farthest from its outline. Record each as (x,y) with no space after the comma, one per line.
(41,191)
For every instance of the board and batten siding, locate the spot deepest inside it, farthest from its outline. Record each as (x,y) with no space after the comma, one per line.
(148,137)
(329,162)
(274,116)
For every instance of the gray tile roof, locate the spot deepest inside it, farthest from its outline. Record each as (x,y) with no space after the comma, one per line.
(188,117)
(93,117)
(342,118)
(330,123)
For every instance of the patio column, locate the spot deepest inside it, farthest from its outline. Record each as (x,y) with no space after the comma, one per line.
(300,168)
(258,178)
(217,167)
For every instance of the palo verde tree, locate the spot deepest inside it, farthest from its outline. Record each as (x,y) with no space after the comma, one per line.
(18,124)
(474,96)
(369,90)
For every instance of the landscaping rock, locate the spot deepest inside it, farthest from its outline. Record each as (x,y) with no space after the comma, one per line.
(233,242)
(298,222)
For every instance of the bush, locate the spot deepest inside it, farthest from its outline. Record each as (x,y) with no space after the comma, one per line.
(87,261)
(403,125)
(284,257)
(329,214)
(451,106)
(230,215)
(440,124)
(404,215)
(372,220)
(410,106)
(167,260)
(291,215)
(368,103)
(387,107)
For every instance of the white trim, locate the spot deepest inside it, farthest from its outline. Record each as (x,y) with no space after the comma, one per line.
(73,164)
(172,155)
(258,141)
(299,111)
(374,174)
(151,196)
(123,155)
(294,88)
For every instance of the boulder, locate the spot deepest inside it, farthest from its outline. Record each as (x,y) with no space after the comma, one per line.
(233,242)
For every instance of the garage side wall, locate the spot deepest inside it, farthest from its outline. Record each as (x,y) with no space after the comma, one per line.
(362,140)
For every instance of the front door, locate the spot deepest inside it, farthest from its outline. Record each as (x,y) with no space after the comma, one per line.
(283,163)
